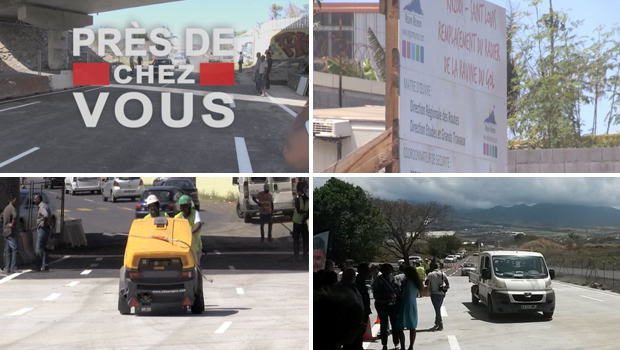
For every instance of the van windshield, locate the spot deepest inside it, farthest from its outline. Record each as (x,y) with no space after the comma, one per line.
(513,266)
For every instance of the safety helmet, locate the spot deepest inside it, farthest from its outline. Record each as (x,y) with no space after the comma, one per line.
(152,199)
(184,199)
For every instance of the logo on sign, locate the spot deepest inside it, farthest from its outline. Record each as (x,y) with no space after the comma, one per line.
(412,51)
(414,6)
(491,118)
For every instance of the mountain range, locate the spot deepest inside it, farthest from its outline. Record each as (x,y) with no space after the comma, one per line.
(558,215)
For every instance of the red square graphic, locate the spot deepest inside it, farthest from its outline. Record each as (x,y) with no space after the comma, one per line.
(213,74)
(91,74)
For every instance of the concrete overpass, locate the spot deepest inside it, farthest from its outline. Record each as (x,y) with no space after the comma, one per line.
(60,16)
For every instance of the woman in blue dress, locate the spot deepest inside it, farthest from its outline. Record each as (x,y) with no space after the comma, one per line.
(408,315)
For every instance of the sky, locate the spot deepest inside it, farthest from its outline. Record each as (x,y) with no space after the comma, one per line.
(488,192)
(237,14)
(594,12)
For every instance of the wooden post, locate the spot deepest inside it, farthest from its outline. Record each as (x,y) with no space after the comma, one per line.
(391,76)
(340,73)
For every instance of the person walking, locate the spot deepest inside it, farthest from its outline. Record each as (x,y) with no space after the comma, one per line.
(408,313)
(384,291)
(438,284)
(300,221)
(43,233)
(262,71)
(257,73)
(10,233)
(240,61)
(269,65)
(265,202)
(191,215)
(131,65)
(140,61)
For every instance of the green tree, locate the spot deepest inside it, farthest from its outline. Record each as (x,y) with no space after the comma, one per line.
(275,11)
(353,221)
(406,222)
(444,245)
(293,11)
(613,116)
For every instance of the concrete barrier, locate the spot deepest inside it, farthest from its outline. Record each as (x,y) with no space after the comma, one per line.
(23,86)
(74,234)
(61,81)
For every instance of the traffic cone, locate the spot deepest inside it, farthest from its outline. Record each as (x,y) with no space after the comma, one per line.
(378,321)
(368,334)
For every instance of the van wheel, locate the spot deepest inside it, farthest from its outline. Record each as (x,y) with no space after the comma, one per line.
(548,315)
(239,211)
(491,312)
(247,218)
(474,300)
(199,304)
(123,308)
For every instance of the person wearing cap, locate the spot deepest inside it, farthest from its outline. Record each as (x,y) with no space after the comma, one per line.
(265,202)
(152,203)
(191,215)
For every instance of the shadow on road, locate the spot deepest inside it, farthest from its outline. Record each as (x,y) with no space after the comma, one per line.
(479,312)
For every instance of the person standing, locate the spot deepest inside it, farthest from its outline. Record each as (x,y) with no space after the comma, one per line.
(140,61)
(300,220)
(408,313)
(262,71)
(269,64)
(10,233)
(384,291)
(43,233)
(240,61)
(131,65)
(363,271)
(257,73)
(191,215)
(265,202)
(438,284)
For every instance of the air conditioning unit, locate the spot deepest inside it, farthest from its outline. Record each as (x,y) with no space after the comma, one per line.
(331,128)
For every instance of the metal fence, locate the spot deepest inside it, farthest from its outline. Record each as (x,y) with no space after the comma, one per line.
(586,271)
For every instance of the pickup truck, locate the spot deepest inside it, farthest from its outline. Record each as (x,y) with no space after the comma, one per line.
(513,282)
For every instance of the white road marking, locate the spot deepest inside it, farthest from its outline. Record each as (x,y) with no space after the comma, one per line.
(98,259)
(27,104)
(89,200)
(123,208)
(590,290)
(375,330)
(19,156)
(61,259)
(239,290)
(243,158)
(290,111)
(39,95)
(583,296)
(216,252)
(72,284)
(94,265)
(444,313)
(454,344)
(165,85)
(232,268)
(232,104)
(13,275)
(97,88)
(21,312)
(52,297)
(86,272)
(223,327)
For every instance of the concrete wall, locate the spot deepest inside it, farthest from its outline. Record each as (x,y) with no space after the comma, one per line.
(570,160)
(356,92)
(221,186)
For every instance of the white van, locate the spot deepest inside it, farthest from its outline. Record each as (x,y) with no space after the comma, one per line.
(82,184)
(281,189)
(513,281)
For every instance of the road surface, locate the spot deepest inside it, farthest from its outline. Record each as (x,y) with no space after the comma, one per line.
(47,133)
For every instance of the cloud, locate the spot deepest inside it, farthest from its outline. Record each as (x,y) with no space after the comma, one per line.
(487,192)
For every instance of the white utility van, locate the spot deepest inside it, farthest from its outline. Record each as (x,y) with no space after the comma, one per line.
(281,188)
(513,281)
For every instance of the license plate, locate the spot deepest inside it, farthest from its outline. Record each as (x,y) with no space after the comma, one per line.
(528,307)
(130,191)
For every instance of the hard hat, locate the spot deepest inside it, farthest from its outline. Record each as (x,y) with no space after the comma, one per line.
(266,187)
(184,199)
(152,199)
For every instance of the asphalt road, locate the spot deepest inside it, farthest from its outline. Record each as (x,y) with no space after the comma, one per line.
(584,318)
(47,134)
(258,297)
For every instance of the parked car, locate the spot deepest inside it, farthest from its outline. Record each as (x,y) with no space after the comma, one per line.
(179,60)
(160,62)
(450,259)
(187,186)
(467,268)
(28,210)
(281,189)
(82,184)
(167,195)
(160,180)
(51,182)
(114,188)
(412,259)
